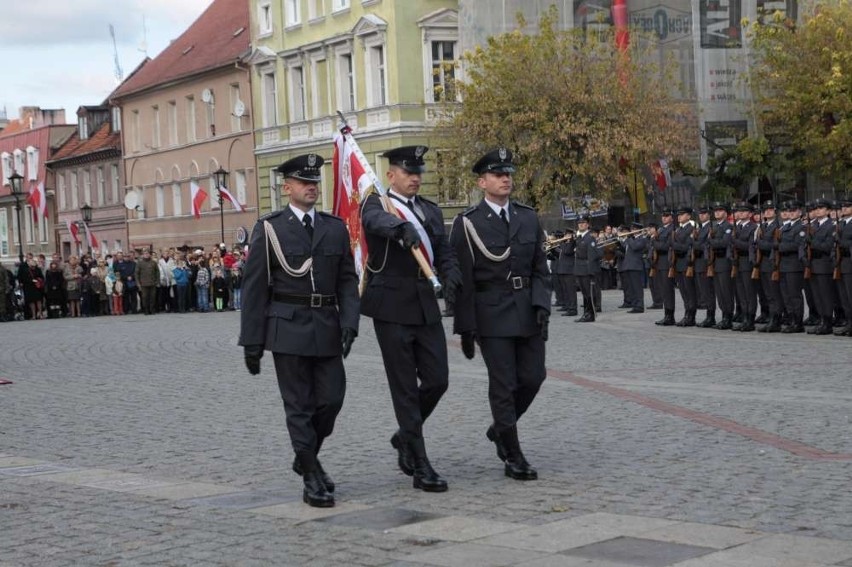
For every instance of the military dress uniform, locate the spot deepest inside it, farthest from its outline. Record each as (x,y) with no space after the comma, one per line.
(406,314)
(844,247)
(719,244)
(768,235)
(567,281)
(504,303)
(633,270)
(746,292)
(662,244)
(703,277)
(585,258)
(300,302)
(683,245)
(821,243)
(791,251)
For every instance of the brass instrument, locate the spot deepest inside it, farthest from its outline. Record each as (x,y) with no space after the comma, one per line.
(609,241)
(552,243)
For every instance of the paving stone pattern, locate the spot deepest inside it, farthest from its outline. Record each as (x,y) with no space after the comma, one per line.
(143,441)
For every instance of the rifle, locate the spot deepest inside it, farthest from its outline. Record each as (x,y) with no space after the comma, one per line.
(758,257)
(711,253)
(776,267)
(809,253)
(690,268)
(735,254)
(654,258)
(838,251)
(672,258)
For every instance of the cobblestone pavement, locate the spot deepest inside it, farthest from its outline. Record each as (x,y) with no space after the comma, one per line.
(143,440)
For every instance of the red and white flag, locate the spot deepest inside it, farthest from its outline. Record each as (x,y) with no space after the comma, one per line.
(231,199)
(73,230)
(351,184)
(37,199)
(662,175)
(90,237)
(197,195)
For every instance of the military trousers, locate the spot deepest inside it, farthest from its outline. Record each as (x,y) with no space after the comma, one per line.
(723,285)
(312,388)
(687,291)
(705,292)
(666,289)
(844,287)
(746,292)
(792,284)
(568,282)
(515,373)
(634,295)
(415,359)
(823,289)
(772,291)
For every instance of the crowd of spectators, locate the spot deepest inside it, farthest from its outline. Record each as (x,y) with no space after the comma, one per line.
(168,281)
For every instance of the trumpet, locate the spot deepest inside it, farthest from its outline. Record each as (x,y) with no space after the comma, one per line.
(615,239)
(552,243)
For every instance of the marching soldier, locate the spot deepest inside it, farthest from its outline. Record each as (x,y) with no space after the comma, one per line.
(721,255)
(300,301)
(585,255)
(650,262)
(565,272)
(821,245)
(683,244)
(768,236)
(791,250)
(662,244)
(844,247)
(405,311)
(504,302)
(813,312)
(703,276)
(743,237)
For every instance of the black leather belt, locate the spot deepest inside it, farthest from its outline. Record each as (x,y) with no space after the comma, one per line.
(312,300)
(513,283)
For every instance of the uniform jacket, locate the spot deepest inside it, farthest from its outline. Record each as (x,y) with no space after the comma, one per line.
(299,329)
(742,243)
(767,245)
(846,245)
(682,245)
(635,248)
(791,247)
(661,243)
(565,263)
(396,290)
(147,273)
(586,255)
(496,309)
(720,242)
(701,247)
(822,247)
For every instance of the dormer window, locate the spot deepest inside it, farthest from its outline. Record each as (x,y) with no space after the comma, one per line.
(83,127)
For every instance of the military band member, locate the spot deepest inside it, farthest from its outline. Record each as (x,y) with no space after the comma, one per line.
(300,301)
(404,309)
(504,302)
(552,255)
(767,238)
(635,248)
(683,245)
(844,246)
(791,249)
(565,272)
(743,237)
(719,245)
(662,244)
(585,256)
(653,287)
(821,243)
(703,279)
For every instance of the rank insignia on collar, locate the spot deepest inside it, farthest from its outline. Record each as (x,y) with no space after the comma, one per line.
(802,233)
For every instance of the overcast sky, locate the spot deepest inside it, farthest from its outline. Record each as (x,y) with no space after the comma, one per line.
(59,54)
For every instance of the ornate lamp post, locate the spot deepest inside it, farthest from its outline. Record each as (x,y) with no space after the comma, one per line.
(16,181)
(86,213)
(221,177)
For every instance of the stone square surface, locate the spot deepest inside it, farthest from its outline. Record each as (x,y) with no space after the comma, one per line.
(33,470)
(637,551)
(240,500)
(703,535)
(469,554)
(379,518)
(454,528)
(299,511)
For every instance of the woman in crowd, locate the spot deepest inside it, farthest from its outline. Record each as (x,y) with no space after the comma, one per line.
(180,275)
(54,283)
(31,279)
(73,274)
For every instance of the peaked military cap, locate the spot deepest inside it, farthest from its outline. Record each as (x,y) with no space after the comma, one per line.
(305,167)
(667,213)
(498,160)
(718,205)
(767,205)
(684,210)
(409,158)
(743,206)
(636,226)
(845,201)
(703,209)
(583,218)
(819,203)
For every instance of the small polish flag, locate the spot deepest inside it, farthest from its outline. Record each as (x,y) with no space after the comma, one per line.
(90,237)
(73,230)
(230,198)
(198,195)
(38,201)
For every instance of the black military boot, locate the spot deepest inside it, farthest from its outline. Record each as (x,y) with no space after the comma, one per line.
(824,327)
(762,318)
(667,320)
(494,438)
(811,320)
(516,466)
(315,493)
(795,326)
(709,321)
(588,316)
(844,331)
(774,325)
(326,480)
(405,459)
(425,477)
(747,325)
(726,322)
(738,316)
(688,319)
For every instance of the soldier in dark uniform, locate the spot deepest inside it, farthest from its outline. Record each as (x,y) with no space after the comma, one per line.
(635,248)
(552,255)
(821,243)
(662,244)
(813,311)
(565,273)
(791,249)
(703,279)
(404,308)
(844,232)
(584,257)
(719,247)
(650,270)
(683,245)
(300,301)
(504,302)
(742,242)
(768,236)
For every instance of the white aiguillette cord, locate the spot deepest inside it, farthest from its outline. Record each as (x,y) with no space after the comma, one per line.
(300,272)
(471,234)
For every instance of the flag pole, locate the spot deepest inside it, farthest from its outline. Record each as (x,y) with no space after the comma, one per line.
(346,132)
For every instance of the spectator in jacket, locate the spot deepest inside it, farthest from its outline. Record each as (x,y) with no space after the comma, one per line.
(180,275)
(148,277)
(202,285)
(220,289)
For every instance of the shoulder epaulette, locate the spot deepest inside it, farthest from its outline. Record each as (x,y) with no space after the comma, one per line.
(268,216)
(330,216)
(468,211)
(521,205)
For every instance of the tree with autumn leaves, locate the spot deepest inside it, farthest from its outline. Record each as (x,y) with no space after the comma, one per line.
(576,111)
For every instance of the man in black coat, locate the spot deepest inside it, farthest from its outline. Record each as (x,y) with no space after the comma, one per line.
(565,272)
(632,269)
(821,243)
(719,248)
(402,303)
(683,245)
(585,258)
(768,235)
(300,301)
(504,303)
(844,232)
(703,281)
(662,245)
(742,242)
(791,249)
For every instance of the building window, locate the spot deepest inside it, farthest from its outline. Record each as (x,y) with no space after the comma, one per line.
(83,128)
(6,159)
(176,201)
(236,121)
(319,88)
(29,237)
(171,119)
(264,18)
(297,94)
(87,187)
(75,197)
(190,118)
(316,9)
(4,233)
(240,184)
(346,82)
(42,229)
(116,182)
(118,246)
(160,197)
(104,247)
(116,119)
(101,185)
(210,116)
(338,5)
(19,162)
(60,190)
(376,76)
(292,15)
(274,193)
(270,101)
(136,134)
(443,70)
(32,163)
(155,126)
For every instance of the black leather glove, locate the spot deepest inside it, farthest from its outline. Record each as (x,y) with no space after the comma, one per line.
(253,354)
(408,234)
(347,337)
(468,343)
(542,317)
(452,282)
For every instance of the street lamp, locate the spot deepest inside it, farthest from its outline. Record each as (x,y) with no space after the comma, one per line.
(86,213)
(16,181)
(221,177)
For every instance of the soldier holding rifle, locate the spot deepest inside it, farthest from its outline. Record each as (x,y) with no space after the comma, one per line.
(721,250)
(662,244)
(703,276)
(844,250)
(684,266)
(768,236)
